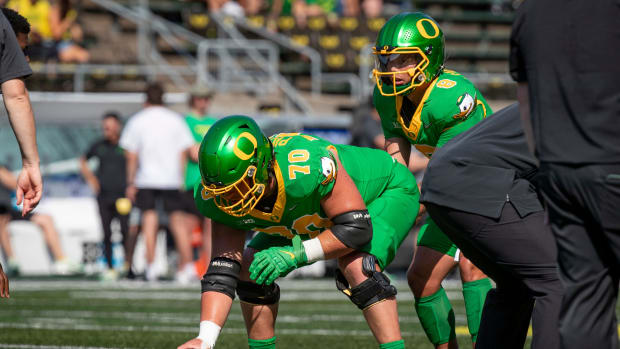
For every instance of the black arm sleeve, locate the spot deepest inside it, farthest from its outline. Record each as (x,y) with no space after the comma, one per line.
(353,228)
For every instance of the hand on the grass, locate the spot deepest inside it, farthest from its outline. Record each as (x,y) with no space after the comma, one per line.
(29,187)
(270,264)
(194,344)
(4,284)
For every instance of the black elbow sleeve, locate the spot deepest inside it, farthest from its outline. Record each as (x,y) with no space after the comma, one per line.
(222,276)
(353,228)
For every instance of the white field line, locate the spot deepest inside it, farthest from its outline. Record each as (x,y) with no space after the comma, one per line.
(34,346)
(296,285)
(190,319)
(190,330)
(189,296)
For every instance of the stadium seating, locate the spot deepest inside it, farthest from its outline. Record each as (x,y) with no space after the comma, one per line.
(476,40)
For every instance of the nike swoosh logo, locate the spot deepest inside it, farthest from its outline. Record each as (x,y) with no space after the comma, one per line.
(288,253)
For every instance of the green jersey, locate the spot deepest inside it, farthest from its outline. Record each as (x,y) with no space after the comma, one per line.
(199,127)
(450,105)
(305,170)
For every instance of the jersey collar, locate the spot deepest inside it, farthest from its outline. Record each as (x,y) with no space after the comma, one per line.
(278,207)
(416,122)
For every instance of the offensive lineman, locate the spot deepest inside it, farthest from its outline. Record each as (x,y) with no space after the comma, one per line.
(298,187)
(423,104)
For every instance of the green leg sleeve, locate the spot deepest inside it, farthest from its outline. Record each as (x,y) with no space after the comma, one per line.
(436,316)
(393,345)
(262,343)
(475,293)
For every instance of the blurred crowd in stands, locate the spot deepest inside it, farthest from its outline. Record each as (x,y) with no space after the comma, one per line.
(55,32)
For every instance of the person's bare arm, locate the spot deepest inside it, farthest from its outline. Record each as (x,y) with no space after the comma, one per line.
(399,149)
(215,306)
(89,176)
(4,284)
(7,178)
(524,109)
(29,181)
(21,117)
(192,152)
(132,167)
(59,26)
(344,197)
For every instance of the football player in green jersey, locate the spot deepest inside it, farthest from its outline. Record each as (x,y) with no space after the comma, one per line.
(423,104)
(308,200)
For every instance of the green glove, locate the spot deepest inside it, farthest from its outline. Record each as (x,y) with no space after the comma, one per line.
(270,264)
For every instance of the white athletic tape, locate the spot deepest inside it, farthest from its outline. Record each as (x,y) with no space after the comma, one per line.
(209,331)
(457,255)
(314,250)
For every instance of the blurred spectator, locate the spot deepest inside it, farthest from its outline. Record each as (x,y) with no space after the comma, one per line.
(366,127)
(37,12)
(13,69)
(199,123)
(155,141)
(226,7)
(109,184)
(67,33)
(9,212)
(372,8)
(53,28)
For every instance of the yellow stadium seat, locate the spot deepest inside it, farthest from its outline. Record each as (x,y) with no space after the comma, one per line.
(349,23)
(198,20)
(317,23)
(375,24)
(335,60)
(329,42)
(286,23)
(357,42)
(300,39)
(256,21)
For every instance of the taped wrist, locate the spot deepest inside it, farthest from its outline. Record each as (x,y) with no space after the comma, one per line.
(222,276)
(353,228)
(209,331)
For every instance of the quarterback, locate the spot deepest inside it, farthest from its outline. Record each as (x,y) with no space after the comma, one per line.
(308,200)
(423,104)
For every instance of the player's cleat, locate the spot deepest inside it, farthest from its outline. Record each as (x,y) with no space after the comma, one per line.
(151,273)
(186,275)
(109,275)
(65,267)
(12,268)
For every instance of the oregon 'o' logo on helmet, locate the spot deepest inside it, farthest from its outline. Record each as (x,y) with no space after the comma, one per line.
(240,154)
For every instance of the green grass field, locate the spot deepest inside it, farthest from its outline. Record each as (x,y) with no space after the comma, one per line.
(89,314)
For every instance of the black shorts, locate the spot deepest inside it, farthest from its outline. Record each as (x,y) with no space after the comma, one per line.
(16,215)
(169,199)
(189,205)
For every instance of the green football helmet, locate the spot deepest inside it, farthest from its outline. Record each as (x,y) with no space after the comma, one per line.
(234,159)
(408,38)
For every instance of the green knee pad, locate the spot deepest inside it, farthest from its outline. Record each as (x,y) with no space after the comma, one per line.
(436,316)
(262,343)
(475,293)
(393,345)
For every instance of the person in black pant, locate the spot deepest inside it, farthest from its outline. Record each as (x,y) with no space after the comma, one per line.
(109,183)
(565,56)
(479,189)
